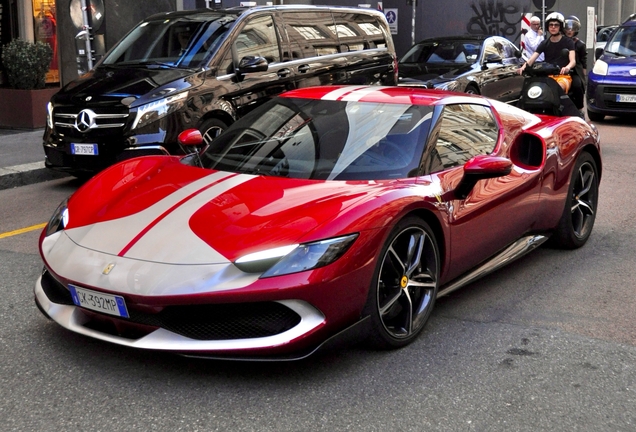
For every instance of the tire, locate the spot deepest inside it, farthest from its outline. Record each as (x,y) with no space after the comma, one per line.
(211,128)
(471,89)
(404,286)
(595,116)
(579,212)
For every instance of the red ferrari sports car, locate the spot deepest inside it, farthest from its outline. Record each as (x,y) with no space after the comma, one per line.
(327,211)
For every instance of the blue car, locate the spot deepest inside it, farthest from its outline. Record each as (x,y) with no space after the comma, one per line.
(611,85)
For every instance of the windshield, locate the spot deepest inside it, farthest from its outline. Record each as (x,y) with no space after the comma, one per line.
(623,42)
(181,42)
(456,51)
(323,139)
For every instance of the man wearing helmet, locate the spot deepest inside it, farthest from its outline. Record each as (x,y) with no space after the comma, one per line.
(572,27)
(553,47)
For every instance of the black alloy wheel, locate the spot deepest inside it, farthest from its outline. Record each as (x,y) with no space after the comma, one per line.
(579,213)
(405,285)
(211,128)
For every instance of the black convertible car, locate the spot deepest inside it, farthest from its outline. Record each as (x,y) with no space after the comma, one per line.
(483,65)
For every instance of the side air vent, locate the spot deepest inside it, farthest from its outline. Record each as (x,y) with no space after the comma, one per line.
(528,152)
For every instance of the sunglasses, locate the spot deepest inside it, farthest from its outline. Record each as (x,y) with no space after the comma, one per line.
(554,25)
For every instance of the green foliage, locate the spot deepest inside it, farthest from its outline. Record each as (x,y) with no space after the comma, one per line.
(26,63)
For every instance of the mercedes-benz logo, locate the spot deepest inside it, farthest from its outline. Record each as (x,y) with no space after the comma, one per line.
(85,120)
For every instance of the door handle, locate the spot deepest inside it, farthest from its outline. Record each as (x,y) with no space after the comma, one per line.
(283,73)
(303,68)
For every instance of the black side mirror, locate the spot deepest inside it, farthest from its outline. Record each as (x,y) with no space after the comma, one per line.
(598,52)
(250,64)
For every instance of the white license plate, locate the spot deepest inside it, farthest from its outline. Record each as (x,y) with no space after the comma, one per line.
(625,98)
(84,149)
(100,302)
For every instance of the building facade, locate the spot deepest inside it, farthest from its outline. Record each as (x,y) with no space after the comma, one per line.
(60,22)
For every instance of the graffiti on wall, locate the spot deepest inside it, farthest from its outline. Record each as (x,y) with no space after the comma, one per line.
(495,18)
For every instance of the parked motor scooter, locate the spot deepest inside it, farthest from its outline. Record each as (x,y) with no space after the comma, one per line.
(545,91)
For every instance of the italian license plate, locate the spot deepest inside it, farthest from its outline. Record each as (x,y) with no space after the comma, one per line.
(100,302)
(625,98)
(84,149)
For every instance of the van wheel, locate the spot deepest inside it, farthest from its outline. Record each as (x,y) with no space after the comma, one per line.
(211,128)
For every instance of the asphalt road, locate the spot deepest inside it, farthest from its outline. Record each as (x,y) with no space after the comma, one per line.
(547,343)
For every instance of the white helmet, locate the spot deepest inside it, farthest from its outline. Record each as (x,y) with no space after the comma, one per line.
(555,16)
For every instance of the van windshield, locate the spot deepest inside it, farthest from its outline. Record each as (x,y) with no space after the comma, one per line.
(623,43)
(186,42)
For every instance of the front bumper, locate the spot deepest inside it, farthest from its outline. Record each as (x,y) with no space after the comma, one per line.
(138,332)
(601,98)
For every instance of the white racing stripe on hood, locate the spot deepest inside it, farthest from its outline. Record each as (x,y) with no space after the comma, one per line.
(183,246)
(114,235)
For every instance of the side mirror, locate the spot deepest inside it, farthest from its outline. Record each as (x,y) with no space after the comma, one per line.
(191,138)
(598,52)
(250,64)
(479,168)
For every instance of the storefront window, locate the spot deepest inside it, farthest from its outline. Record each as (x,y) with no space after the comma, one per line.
(44,25)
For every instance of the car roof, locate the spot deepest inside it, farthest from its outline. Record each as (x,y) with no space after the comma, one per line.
(475,38)
(630,21)
(239,10)
(380,94)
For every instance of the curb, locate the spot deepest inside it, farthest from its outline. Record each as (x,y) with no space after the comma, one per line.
(22,175)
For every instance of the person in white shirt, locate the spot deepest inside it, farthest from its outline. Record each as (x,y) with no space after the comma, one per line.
(533,37)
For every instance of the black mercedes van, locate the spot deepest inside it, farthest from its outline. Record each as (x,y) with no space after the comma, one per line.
(204,69)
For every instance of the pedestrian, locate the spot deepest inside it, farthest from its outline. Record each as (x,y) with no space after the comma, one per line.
(572,27)
(533,37)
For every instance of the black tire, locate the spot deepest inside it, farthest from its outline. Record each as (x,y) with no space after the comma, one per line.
(211,128)
(472,89)
(579,212)
(404,286)
(595,116)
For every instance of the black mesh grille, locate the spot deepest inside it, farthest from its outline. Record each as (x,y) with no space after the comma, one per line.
(201,322)
(621,90)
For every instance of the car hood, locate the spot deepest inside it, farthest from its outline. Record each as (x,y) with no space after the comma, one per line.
(105,84)
(433,71)
(620,66)
(156,209)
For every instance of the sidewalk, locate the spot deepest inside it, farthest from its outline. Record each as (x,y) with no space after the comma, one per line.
(22,159)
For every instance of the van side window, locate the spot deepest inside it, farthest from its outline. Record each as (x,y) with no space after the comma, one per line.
(309,34)
(358,31)
(258,38)
(465,131)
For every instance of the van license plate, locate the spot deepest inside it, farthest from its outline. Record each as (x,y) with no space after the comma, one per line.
(625,98)
(100,302)
(84,149)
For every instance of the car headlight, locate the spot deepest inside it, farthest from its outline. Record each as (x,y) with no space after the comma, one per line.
(59,220)
(296,258)
(158,109)
(49,115)
(449,85)
(600,68)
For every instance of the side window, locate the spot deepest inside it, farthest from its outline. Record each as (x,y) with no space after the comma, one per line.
(309,34)
(258,38)
(347,32)
(465,131)
(493,48)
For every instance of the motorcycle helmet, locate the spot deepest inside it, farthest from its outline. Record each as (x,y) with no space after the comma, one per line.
(573,23)
(558,17)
